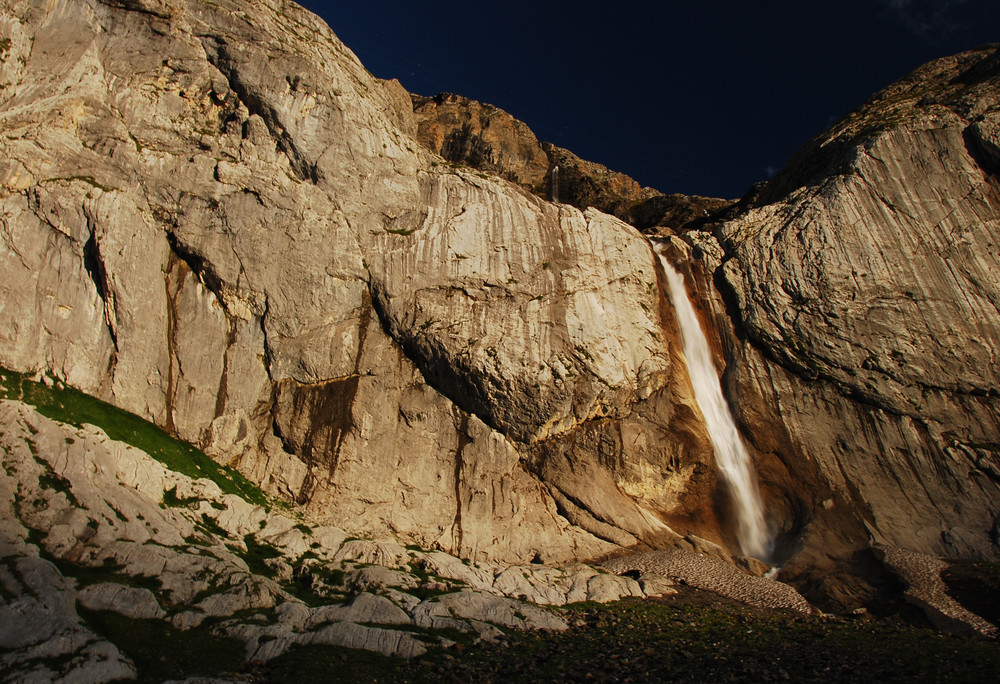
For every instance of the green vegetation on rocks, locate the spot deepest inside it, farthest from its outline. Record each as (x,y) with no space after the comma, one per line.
(69,405)
(107,571)
(257,555)
(695,637)
(162,652)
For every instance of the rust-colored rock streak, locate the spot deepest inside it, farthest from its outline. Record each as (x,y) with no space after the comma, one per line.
(731,456)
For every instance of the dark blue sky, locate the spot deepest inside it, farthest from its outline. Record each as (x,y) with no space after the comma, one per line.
(701,97)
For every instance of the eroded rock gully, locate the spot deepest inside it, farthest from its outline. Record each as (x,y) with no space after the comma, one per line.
(214,217)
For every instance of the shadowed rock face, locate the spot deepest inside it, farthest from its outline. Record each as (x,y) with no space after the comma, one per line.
(213,216)
(484,137)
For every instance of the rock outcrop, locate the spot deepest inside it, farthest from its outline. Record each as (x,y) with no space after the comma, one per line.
(864,270)
(486,138)
(214,217)
(94,526)
(483,137)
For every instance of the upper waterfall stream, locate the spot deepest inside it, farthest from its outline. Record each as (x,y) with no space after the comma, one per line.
(731,455)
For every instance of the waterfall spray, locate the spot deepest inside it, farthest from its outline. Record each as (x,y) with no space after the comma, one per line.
(555,183)
(731,456)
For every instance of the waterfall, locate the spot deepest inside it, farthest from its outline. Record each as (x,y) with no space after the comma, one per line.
(731,456)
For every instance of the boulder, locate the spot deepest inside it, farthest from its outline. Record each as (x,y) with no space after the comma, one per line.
(132,602)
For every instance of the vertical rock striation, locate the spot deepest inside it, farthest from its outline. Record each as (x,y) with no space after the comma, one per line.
(213,216)
(864,279)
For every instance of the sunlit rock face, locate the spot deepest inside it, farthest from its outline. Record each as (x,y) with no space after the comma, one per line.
(215,217)
(864,278)
(857,317)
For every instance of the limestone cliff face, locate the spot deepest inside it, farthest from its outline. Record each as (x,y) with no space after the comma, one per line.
(864,279)
(482,137)
(215,217)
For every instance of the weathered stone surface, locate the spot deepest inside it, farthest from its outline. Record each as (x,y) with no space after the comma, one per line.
(443,565)
(364,608)
(499,610)
(655,585)
(926,589)
(229,234)
(603,588)
(481,136)
(376,577)
(390,642)
(518,582)
(250,594)
(711,574)
(41,635)
(43,609)
(96,505)
(864,269)
(216,218)
(132,602)
(386,553)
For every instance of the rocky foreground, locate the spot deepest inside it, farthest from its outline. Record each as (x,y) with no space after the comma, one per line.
(94,525)
(698,637)
(109,554)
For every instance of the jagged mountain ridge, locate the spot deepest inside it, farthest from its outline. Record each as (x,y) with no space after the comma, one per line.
(246,243)
(487,138)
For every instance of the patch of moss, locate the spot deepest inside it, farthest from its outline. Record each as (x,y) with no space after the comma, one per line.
(335,577)
(256,616)
(51,480)
(425,590)
(71,406)
(162,652)
(210,527)
(195,540)
(400,231)
(331,664)
(666,641)
(108,571)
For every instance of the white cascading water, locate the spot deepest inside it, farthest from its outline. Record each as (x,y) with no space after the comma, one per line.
(731,456)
